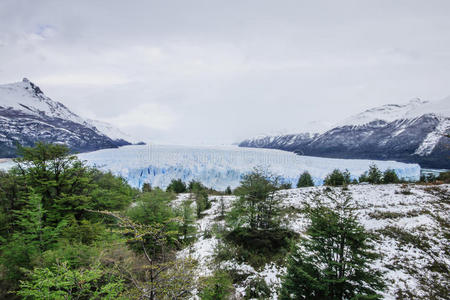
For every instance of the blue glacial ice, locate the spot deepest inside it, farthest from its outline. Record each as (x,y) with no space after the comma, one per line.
(222,166)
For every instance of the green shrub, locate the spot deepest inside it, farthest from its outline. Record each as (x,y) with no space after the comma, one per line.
(228,190)
(389,176)
(216,287)
(444,176)
(258,247)
(62,282)
(285,186)
(336,178)
(177,186)
(146,187)
(374,175)
(363,177)
(257,288)
(305,180)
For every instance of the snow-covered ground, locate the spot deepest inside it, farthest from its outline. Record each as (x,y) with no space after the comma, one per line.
(412,222)
(222,166)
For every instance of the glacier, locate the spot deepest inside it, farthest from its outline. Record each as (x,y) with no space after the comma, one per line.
(221,166)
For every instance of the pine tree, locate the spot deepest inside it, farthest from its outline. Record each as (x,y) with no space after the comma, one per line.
(187,226)
(333,262)
(335,178)
(258,205)
(202,201)
(305,180)
(222,208)
(347,177)
(177,186)
(389,176)
(374,175)
(216,287)
(228,190)
(146,187)
(30,239)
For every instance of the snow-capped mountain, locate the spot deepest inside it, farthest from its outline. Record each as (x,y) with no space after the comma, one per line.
(27,116)
(288,142)
(391,112)
(412,132)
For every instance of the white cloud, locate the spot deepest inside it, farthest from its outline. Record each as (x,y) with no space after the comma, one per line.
(82,79)
(213,71)
(149,115)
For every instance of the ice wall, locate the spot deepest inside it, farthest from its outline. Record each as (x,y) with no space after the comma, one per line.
(222,166)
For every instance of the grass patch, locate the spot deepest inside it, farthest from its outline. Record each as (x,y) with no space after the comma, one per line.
(381,215)
(404,237)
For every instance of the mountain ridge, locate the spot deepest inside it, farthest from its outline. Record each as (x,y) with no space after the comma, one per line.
(27,115)
(412,132)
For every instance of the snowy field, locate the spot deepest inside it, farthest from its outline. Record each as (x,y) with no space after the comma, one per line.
(222,166)
(412,223)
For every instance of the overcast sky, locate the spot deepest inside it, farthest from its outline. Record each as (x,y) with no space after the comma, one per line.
(212,72)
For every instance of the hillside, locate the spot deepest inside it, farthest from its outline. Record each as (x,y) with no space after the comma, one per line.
(411,221)
(412,132)
(27,115)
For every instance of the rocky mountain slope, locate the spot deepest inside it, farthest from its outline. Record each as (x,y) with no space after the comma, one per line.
(27,116)
(410,222)
(413,132)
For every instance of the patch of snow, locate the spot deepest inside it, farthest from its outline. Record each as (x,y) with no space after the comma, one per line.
(433,138)
(391,112)
(378,207)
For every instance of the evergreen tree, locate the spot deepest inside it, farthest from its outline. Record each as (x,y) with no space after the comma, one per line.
(217,287)
(444,176)
(347,177)
(146,187)
(285,186)
(201,200)
(363,177)
(333,262)
(374,175)
(389,176)
(305,180)
(258,205)
(30,239)
(187,226)
(228,190)
(222,208)
(335,178)
(177,186)
(195,186)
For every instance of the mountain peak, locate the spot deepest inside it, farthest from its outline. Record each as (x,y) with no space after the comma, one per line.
(25,96)
(34,87)
(390,112)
